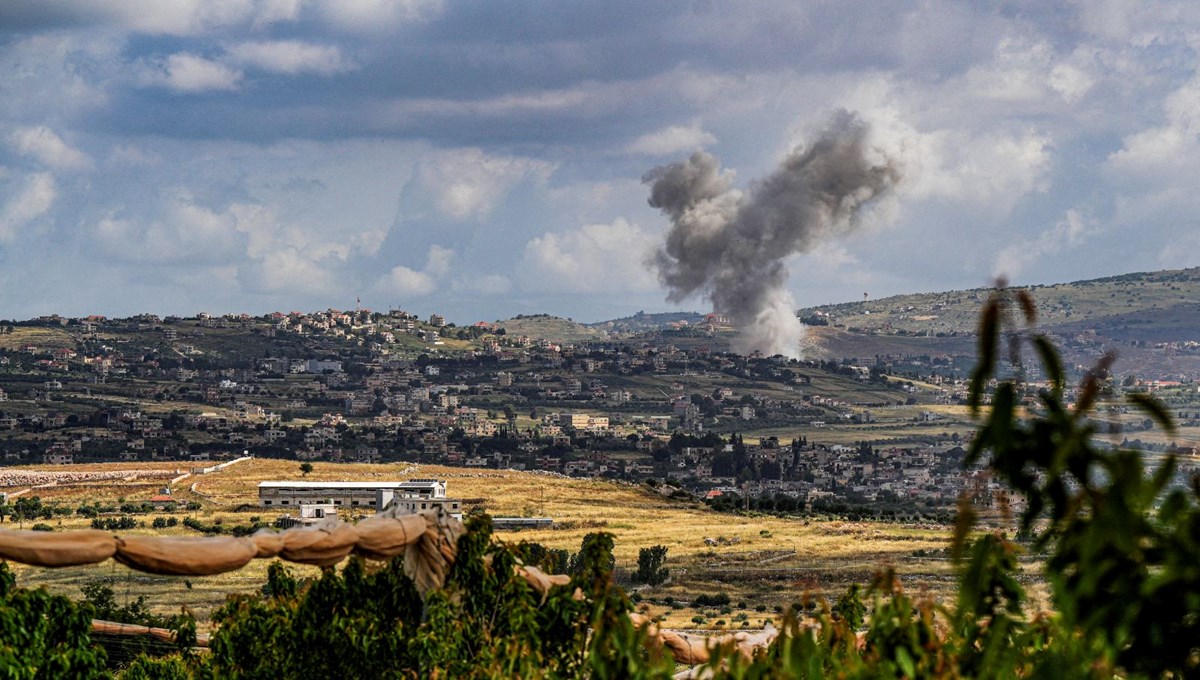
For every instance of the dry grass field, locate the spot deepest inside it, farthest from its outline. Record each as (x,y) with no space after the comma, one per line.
(42,338)
(759,561)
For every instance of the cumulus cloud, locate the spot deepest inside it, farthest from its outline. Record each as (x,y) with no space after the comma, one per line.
(1161,152)
(290,57)
(30,202)
(56,76)
(43,144)
(1068,233)
(403,280)
(189,73)
(287,270)
(990,170)
(592,259)
(186,232)
(1180,253)
(467,183)
(671,140)
(438,264)
(1026,71)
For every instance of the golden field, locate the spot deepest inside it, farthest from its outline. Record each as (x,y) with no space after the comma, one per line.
(761,561)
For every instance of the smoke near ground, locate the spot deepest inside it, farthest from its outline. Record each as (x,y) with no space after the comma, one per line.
(733,247)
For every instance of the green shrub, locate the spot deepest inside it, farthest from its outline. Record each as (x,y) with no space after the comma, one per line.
(706,600)
(44,635)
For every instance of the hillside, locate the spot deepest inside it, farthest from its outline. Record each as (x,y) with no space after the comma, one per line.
(1151,320)
(1100,302)
(551,328)
(643,322)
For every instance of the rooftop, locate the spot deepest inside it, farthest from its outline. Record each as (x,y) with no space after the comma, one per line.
(410,484)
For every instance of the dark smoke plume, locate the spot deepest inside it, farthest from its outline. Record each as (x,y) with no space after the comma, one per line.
(733,247)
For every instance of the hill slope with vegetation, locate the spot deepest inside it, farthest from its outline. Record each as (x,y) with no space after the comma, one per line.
(1147,297)
(1150,320)
(551,328)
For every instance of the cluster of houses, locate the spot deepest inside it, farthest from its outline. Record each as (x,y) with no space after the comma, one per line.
(931,475)
(367,387)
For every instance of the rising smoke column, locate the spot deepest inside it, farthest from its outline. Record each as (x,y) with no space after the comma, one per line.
(733,247)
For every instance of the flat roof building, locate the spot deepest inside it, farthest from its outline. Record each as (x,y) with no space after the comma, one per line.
(414,495)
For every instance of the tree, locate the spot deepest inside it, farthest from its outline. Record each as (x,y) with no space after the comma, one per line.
(650,565)
(305,468)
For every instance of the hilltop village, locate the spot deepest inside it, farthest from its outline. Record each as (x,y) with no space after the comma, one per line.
(669,408)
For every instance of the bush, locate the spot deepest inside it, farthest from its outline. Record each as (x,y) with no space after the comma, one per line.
(114,523)
(706,600)
(44,635)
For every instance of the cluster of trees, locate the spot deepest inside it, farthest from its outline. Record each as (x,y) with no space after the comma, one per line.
(26,508)
(114,523)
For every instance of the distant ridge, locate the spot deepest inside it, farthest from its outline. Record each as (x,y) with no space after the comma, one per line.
(1136,298)
(1150,320)
(644,323)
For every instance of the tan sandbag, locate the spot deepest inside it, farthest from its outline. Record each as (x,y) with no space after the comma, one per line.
(184,555)
(382,538)
(685,648)
(688,649)
(268,543)
(695,649)
(643,621)
(541,581)
(427,562)
(165,634)
(322,545)
(57,548)
(747,642)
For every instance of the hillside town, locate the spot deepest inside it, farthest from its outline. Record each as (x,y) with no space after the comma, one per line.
(673,408)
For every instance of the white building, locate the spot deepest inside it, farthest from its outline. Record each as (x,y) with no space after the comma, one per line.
(414,495)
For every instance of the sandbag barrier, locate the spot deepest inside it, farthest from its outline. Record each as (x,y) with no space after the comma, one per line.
(101,627)
(428,541)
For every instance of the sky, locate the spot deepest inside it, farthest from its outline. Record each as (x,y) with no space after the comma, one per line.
(484,159)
